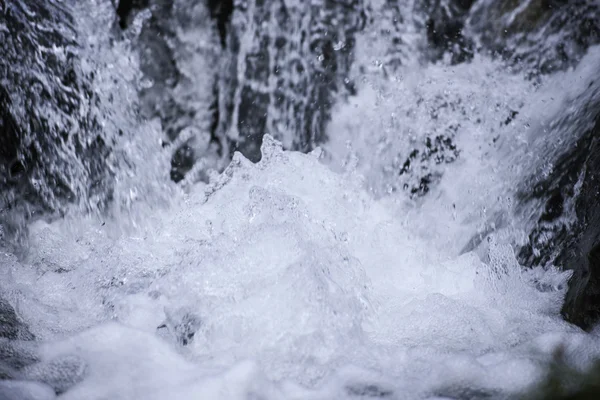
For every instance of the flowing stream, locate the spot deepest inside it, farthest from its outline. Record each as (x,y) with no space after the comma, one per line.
(373,257)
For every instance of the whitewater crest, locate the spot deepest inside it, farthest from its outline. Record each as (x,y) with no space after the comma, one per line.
(283,279)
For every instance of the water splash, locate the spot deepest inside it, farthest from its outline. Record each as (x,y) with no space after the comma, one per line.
(298,269)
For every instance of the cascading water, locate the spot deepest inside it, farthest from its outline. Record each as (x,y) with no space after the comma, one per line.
(423,251)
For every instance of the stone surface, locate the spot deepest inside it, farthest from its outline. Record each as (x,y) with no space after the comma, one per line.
(541,35)
(179,46)
(11,327)
(567,232)
(271,67)
(444,24)
(288,62)
(52,149)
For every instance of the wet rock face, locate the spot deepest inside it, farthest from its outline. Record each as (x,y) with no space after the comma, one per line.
(50,142)
(125,9)
(221,11)
(11,327)
(444,23)
(389,25)
(279,69)
(518,31)
(287,62)
(567,233)
(581,251)
(542,35)
(181,74)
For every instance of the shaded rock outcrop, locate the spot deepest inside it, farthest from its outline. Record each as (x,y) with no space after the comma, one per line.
(540,35)
(52,150)
(444,22)
(179,46)
(269,67)
(11,326)
(126,8)
(287,63)
(543,36)
(567,233)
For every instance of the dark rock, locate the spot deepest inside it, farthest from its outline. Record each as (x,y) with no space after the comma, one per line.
(567,232)
(50,141)
(469,393)
(221,11)
(512,29)
(285,81)
(561,208)
(175,96)
(444,24)
(125,9)
(16,347)
(18,353)
(369,390)
(15,355)
(22,373)
(11,326)
(582,251)
(563,381)
(518,31)
(19,361)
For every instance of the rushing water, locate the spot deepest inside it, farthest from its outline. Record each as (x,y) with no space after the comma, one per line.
(353,271)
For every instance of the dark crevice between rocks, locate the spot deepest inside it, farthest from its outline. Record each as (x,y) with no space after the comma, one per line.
(125,9)
(444,25)
(220,11)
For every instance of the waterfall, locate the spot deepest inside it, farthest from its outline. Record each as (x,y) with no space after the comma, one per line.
(286,199)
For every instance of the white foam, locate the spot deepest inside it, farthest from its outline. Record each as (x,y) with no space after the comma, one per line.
(508,130)
(23,390)
(296,284)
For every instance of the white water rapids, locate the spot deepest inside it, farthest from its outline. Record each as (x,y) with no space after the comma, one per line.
(314,276)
